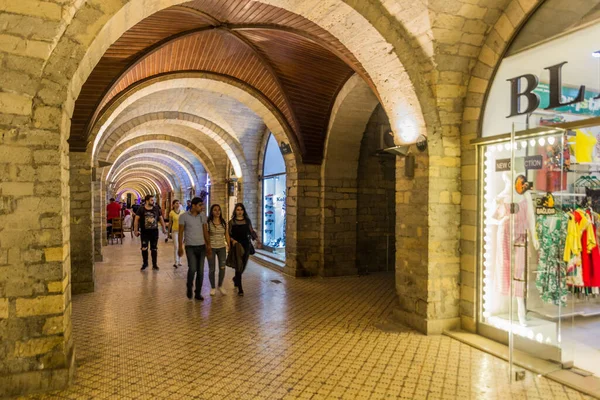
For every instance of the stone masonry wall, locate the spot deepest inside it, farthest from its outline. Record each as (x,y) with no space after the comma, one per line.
(376,201)
(82,227)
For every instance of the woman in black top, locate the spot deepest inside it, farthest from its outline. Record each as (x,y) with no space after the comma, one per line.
(240,231)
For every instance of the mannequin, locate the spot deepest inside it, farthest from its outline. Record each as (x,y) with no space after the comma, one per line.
(524,220)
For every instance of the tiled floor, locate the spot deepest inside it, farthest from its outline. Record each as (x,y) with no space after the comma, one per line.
(138,336)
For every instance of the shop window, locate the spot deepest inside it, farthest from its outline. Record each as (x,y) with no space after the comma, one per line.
(274,198)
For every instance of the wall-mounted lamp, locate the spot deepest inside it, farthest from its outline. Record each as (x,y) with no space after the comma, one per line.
(285,148)
(422,143)
(596,54)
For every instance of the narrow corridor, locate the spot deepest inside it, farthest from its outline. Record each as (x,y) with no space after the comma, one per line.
(139,337)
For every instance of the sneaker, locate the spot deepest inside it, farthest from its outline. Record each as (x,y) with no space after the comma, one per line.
(199,297)
(222,290)
(155,267)
(189,294)
(213,292)
(175,266)
(144,266)
(240,293)
(180,265)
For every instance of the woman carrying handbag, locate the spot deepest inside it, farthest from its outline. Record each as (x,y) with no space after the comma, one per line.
(241,232)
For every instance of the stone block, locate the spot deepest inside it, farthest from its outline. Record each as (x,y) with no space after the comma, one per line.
(42,9)
(42,305)
(16,188)
(4,306)
(34,347)
(12,103)
(54,325)
(54,254)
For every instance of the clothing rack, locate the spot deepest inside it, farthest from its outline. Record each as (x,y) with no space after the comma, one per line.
(559,194)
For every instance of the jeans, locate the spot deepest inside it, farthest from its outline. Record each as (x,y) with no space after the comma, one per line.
(222,254)
(176,258)
(195,256)
(150,239)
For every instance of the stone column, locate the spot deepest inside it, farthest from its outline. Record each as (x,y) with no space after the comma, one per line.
(427,254)
(218,192)
(97,219)
(339,226)
(303,245)
(36,351)
(82,227)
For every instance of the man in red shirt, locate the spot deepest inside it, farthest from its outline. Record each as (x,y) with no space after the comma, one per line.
(113,210)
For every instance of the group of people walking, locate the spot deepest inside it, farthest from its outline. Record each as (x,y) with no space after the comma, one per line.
(200,237)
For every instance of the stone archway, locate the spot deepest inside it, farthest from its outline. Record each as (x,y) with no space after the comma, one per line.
(351,112)
(67,62)
(490,56)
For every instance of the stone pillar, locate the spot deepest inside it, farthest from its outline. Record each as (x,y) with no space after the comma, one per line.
(103,202)
(303,245)
(338,218)
(97,220)
(82,227)
(427,254)
(218,191)
(36,350)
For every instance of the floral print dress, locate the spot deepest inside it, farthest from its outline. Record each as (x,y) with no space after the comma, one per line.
(552,270)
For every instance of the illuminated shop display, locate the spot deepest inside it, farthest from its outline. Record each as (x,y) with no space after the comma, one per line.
(539,169)
(274,198)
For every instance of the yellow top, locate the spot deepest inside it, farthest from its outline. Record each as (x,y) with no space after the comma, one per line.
(573,241)
(174,220)
(584,146)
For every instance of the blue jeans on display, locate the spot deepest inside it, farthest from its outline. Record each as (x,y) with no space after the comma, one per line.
(222,254)
(195,256)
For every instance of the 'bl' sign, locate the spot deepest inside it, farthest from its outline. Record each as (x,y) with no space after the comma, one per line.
(533,100)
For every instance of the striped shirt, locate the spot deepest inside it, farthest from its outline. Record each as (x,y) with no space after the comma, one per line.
(217,235)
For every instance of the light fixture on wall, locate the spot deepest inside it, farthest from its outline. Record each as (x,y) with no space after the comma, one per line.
(596,54)
(285,148)
(422,143)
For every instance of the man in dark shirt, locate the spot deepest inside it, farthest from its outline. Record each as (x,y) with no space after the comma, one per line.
(147,220)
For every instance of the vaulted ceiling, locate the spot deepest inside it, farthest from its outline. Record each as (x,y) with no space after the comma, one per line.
(295,64)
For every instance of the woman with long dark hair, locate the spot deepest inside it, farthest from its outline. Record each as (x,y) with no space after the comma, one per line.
(241,231)
(219,243)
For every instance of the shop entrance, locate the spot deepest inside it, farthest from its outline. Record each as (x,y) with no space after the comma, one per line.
(274,193)
(539,160)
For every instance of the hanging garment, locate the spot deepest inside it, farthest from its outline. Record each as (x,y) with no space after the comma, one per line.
(590,256)
(551,178)
(573,249)
(502,273)
(551,269)
(584,146)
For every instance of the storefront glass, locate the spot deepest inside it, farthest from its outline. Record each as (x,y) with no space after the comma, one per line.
(274,199)
(540,199)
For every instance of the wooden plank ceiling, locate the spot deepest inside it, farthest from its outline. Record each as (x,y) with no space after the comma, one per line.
(297,65)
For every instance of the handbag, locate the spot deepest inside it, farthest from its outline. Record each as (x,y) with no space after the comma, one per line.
(251,250)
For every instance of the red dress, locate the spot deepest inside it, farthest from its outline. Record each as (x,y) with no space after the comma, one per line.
(590,260)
